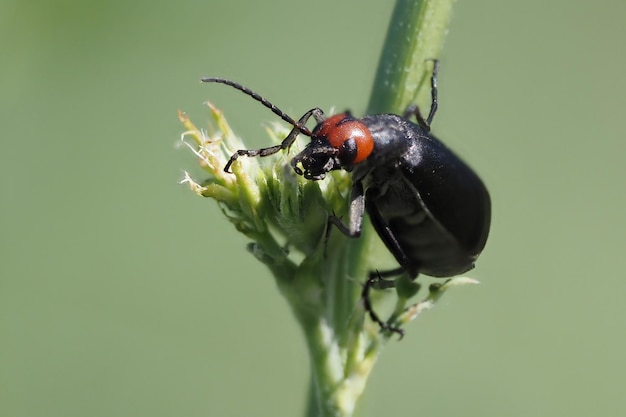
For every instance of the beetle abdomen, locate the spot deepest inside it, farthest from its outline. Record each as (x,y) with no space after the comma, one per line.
(450,191)
(430,209)
(426,246)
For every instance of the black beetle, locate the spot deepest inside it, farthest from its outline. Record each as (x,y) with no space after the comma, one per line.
(430,209)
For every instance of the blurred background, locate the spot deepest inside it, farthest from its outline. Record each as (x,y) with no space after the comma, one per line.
(124,294)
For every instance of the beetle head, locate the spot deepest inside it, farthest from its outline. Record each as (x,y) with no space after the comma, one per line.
(339,142)
(317,158)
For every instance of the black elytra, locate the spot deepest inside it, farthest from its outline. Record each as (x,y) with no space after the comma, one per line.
(429,208)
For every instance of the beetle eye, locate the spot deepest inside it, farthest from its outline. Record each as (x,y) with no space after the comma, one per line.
(348,152)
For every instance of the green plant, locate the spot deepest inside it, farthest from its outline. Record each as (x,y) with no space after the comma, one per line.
(285,218)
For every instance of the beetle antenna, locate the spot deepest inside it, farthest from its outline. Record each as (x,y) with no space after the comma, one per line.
(303,129)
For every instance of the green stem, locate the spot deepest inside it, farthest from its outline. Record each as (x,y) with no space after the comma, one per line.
(342,363)
(416,34)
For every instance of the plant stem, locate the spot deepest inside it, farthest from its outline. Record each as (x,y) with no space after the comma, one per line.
(340,367)
(416,34)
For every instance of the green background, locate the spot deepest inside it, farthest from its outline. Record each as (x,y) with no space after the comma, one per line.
(124,294)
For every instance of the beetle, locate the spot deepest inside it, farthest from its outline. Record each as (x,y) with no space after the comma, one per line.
(430,209)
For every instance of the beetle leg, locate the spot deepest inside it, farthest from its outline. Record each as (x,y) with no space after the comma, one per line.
(433,92)
(382,283)
(317,113)
(367,303)
(375,279)
(300,127)
(413,109)
(392,244)
(357,210)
